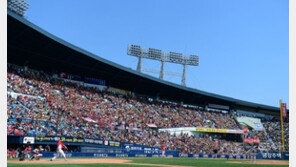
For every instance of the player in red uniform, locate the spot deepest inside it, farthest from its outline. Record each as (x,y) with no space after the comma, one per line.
(27,151)
(163,151)
(60,149)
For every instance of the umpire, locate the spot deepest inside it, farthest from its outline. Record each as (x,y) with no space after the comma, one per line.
(21,151)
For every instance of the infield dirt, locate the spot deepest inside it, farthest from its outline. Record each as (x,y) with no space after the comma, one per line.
(89,161)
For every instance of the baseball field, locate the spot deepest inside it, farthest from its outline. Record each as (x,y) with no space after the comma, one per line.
(161,162)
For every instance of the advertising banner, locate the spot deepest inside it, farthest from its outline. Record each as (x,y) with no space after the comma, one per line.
(249,140)
(252,140)
(258,127)
(214,130)
(114,143)
(245,129)
(218,106)
(135,148)
(28,139)
(41,138)
(256,140)
(275,156)
(72,140)
(239,131)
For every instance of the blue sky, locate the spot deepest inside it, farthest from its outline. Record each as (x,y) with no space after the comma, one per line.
(242,44)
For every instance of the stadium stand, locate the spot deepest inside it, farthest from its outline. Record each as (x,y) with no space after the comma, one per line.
(39,104)
(54,90)
(274,133)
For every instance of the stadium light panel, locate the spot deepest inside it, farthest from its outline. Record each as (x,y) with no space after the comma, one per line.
(134,50)
(18,6)
(176,58)
(155,54)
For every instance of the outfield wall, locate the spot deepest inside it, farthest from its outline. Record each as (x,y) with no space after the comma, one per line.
(271,156)
(106,148)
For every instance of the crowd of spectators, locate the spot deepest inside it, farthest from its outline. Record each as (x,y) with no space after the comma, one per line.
(260,134)
(12,153)
(39,104)
(274,131)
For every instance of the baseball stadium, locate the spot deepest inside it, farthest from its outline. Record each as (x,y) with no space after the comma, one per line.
(69,107)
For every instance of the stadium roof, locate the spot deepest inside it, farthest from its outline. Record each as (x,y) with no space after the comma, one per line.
(30,45)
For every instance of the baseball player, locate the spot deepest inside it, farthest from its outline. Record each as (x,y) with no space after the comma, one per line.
(60,149)
(21,153)
(36,153)
(28,150)
(252,153)
(163,151)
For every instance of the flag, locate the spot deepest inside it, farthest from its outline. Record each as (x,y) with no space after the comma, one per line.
(284,109)
(245,129)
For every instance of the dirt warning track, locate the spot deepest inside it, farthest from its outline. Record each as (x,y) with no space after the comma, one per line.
(262,162)
(90,161)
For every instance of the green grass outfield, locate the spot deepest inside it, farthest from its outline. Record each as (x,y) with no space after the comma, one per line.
(166,161)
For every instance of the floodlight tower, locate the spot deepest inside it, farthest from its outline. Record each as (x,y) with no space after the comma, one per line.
(183,82)
(162,56)
(161,74)
(18,6)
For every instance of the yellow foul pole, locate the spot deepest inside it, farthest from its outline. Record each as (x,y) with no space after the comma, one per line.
(282,127)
